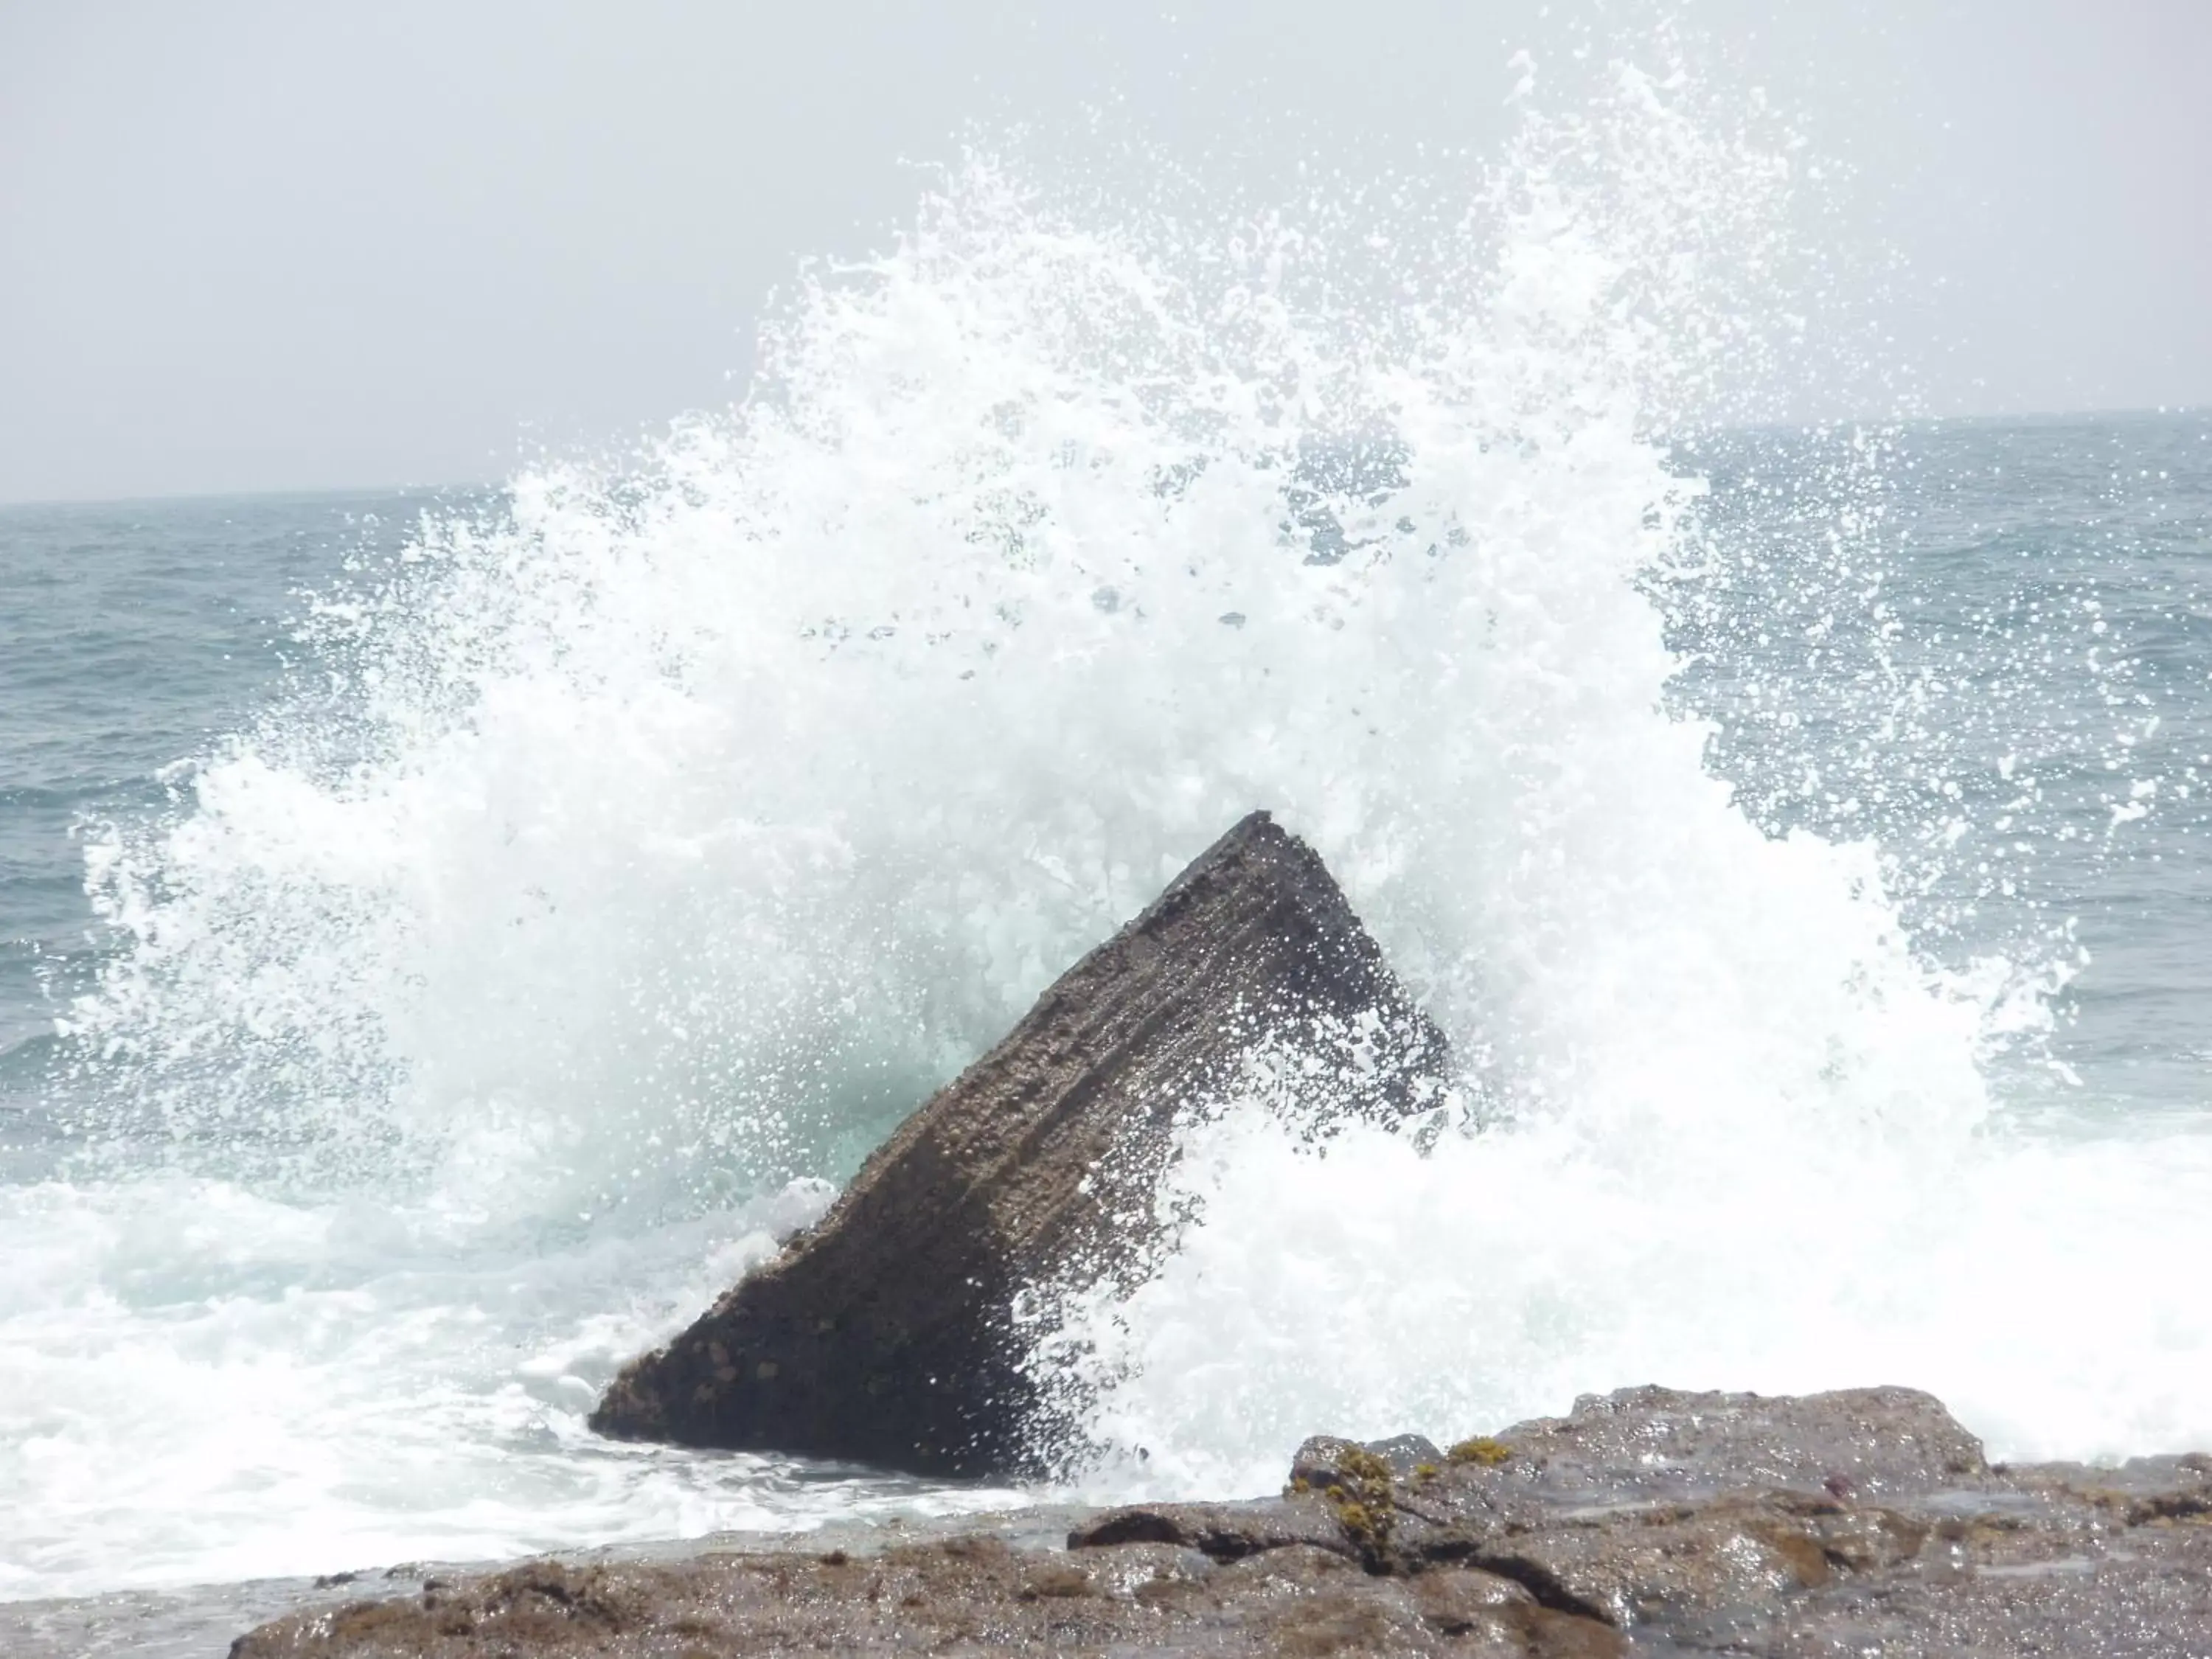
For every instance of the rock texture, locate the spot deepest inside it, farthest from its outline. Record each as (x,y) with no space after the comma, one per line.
(967,1598)
(888,1334)
(1649,1521)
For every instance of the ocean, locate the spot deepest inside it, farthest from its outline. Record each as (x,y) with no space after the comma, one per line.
(445,936)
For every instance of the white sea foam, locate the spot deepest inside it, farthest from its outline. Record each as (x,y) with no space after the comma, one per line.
(658,839)
(203,1384)
(2029,1285)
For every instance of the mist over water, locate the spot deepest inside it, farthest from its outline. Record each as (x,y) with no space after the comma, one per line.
(624,855)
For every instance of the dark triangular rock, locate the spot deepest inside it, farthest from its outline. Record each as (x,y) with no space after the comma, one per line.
(887,1334)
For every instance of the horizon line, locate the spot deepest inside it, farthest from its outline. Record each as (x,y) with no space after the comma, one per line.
(169,497)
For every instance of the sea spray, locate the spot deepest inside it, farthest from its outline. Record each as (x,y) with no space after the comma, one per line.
(654,837)
(1750,1142)
(723,805)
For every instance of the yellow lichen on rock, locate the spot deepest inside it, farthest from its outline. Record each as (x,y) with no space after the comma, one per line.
(1480,1449)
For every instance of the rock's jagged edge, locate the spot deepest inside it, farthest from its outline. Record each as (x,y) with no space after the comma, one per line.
(1860,1521)
(888,1334)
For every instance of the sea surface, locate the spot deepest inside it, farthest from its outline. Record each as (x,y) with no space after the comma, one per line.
(446,936)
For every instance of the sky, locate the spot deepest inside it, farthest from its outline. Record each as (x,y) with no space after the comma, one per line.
(250,245)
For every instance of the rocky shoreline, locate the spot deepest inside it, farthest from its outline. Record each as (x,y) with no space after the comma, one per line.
(1649,1521)
(892,1333)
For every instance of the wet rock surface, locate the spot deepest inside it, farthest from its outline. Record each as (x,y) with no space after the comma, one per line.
(887,1334)
(957,1597)
(1645,1521)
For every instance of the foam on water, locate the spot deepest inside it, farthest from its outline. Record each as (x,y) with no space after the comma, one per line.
(657,839)
(209,1385)
(2033,1287)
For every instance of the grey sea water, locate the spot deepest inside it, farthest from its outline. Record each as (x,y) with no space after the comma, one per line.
(2009,688)
(133,635)
(1982,648)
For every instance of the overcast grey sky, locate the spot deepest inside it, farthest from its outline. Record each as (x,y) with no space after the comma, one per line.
(261,243)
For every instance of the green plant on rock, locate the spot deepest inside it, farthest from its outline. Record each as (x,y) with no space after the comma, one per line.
(1480,1449)
(1364,1506)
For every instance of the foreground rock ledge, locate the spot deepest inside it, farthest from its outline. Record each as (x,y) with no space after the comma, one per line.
(886,1335)
(1648,1522)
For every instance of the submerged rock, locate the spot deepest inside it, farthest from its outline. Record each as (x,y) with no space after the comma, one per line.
(891,1333)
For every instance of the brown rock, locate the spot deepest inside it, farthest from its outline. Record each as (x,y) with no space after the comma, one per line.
(973,1597)
(1653,1441)
(1651,1521)
(889,1335)
(1221,1532)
